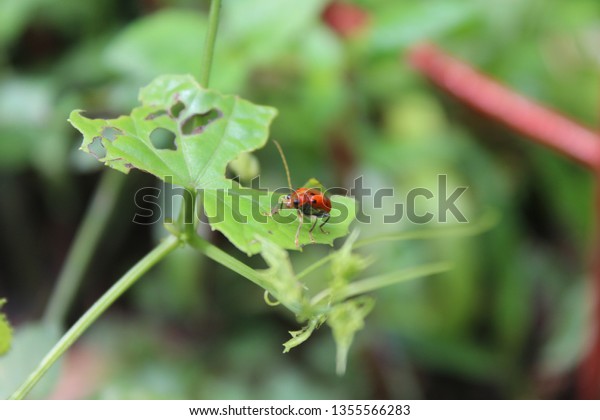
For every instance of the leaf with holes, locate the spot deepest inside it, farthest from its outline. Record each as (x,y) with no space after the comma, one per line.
(241,214)
(182,133)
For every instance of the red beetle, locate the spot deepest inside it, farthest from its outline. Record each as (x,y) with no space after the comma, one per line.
(310,202)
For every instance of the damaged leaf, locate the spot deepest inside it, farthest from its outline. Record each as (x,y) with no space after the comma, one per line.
(182,133)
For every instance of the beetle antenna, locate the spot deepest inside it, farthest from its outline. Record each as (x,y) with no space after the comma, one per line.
(285,165)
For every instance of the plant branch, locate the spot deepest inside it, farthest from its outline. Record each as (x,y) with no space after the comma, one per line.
(543,125)
(88,318)
(377,282)
(187,214)
(83,246)
(218,255)
(209,43)
(486,222)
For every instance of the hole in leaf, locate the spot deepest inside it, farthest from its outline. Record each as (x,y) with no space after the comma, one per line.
(156,114)
(198,122)
(162,138)
(111,133)
(96,148)
(176,109)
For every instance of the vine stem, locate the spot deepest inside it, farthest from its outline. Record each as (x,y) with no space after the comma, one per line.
(218,255)
(90,232)
(85,242)
(209,43)
(88,318)
(485,223)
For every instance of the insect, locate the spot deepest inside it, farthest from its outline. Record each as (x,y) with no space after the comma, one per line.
(308,201)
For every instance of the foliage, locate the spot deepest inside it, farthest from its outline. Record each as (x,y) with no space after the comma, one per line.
(209,131)
(506,321)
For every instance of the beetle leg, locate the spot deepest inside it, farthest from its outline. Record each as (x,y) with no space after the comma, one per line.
(322,224)
(312,239)
(300,221)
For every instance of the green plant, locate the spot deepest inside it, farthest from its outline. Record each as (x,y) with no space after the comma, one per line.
(5,331)
(210,130)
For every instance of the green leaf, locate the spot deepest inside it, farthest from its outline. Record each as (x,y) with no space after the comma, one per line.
(345,264)
(398,27)
(164,42)
(241,214)
(5,331)
(14,15)
(345,319)
(183,134)
(314,184)
(300,336)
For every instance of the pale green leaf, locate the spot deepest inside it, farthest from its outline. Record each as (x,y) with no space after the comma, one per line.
(161,43)
(300,336)
(241,214)
(345,320)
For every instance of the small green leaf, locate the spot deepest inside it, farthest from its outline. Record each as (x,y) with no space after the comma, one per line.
(314,184)
(345,264)
(345,319)
(241,214)
(300,336)
(5,331)
(204,131)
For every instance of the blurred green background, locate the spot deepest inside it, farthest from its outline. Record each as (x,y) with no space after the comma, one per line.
(507,322)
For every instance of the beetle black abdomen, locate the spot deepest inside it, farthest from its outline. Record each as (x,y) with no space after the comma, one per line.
(308,210)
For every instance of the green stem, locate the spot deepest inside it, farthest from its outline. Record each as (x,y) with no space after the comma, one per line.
(377,282)
(486,222)
(209,43)
(84,244)
(187,215)
(88,318)
(218,255)
(90,232)
(223,258)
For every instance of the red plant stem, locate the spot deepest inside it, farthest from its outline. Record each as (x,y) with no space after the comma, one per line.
(589,373)
(539,124)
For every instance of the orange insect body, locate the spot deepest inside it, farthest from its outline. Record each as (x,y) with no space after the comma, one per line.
(308,201)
